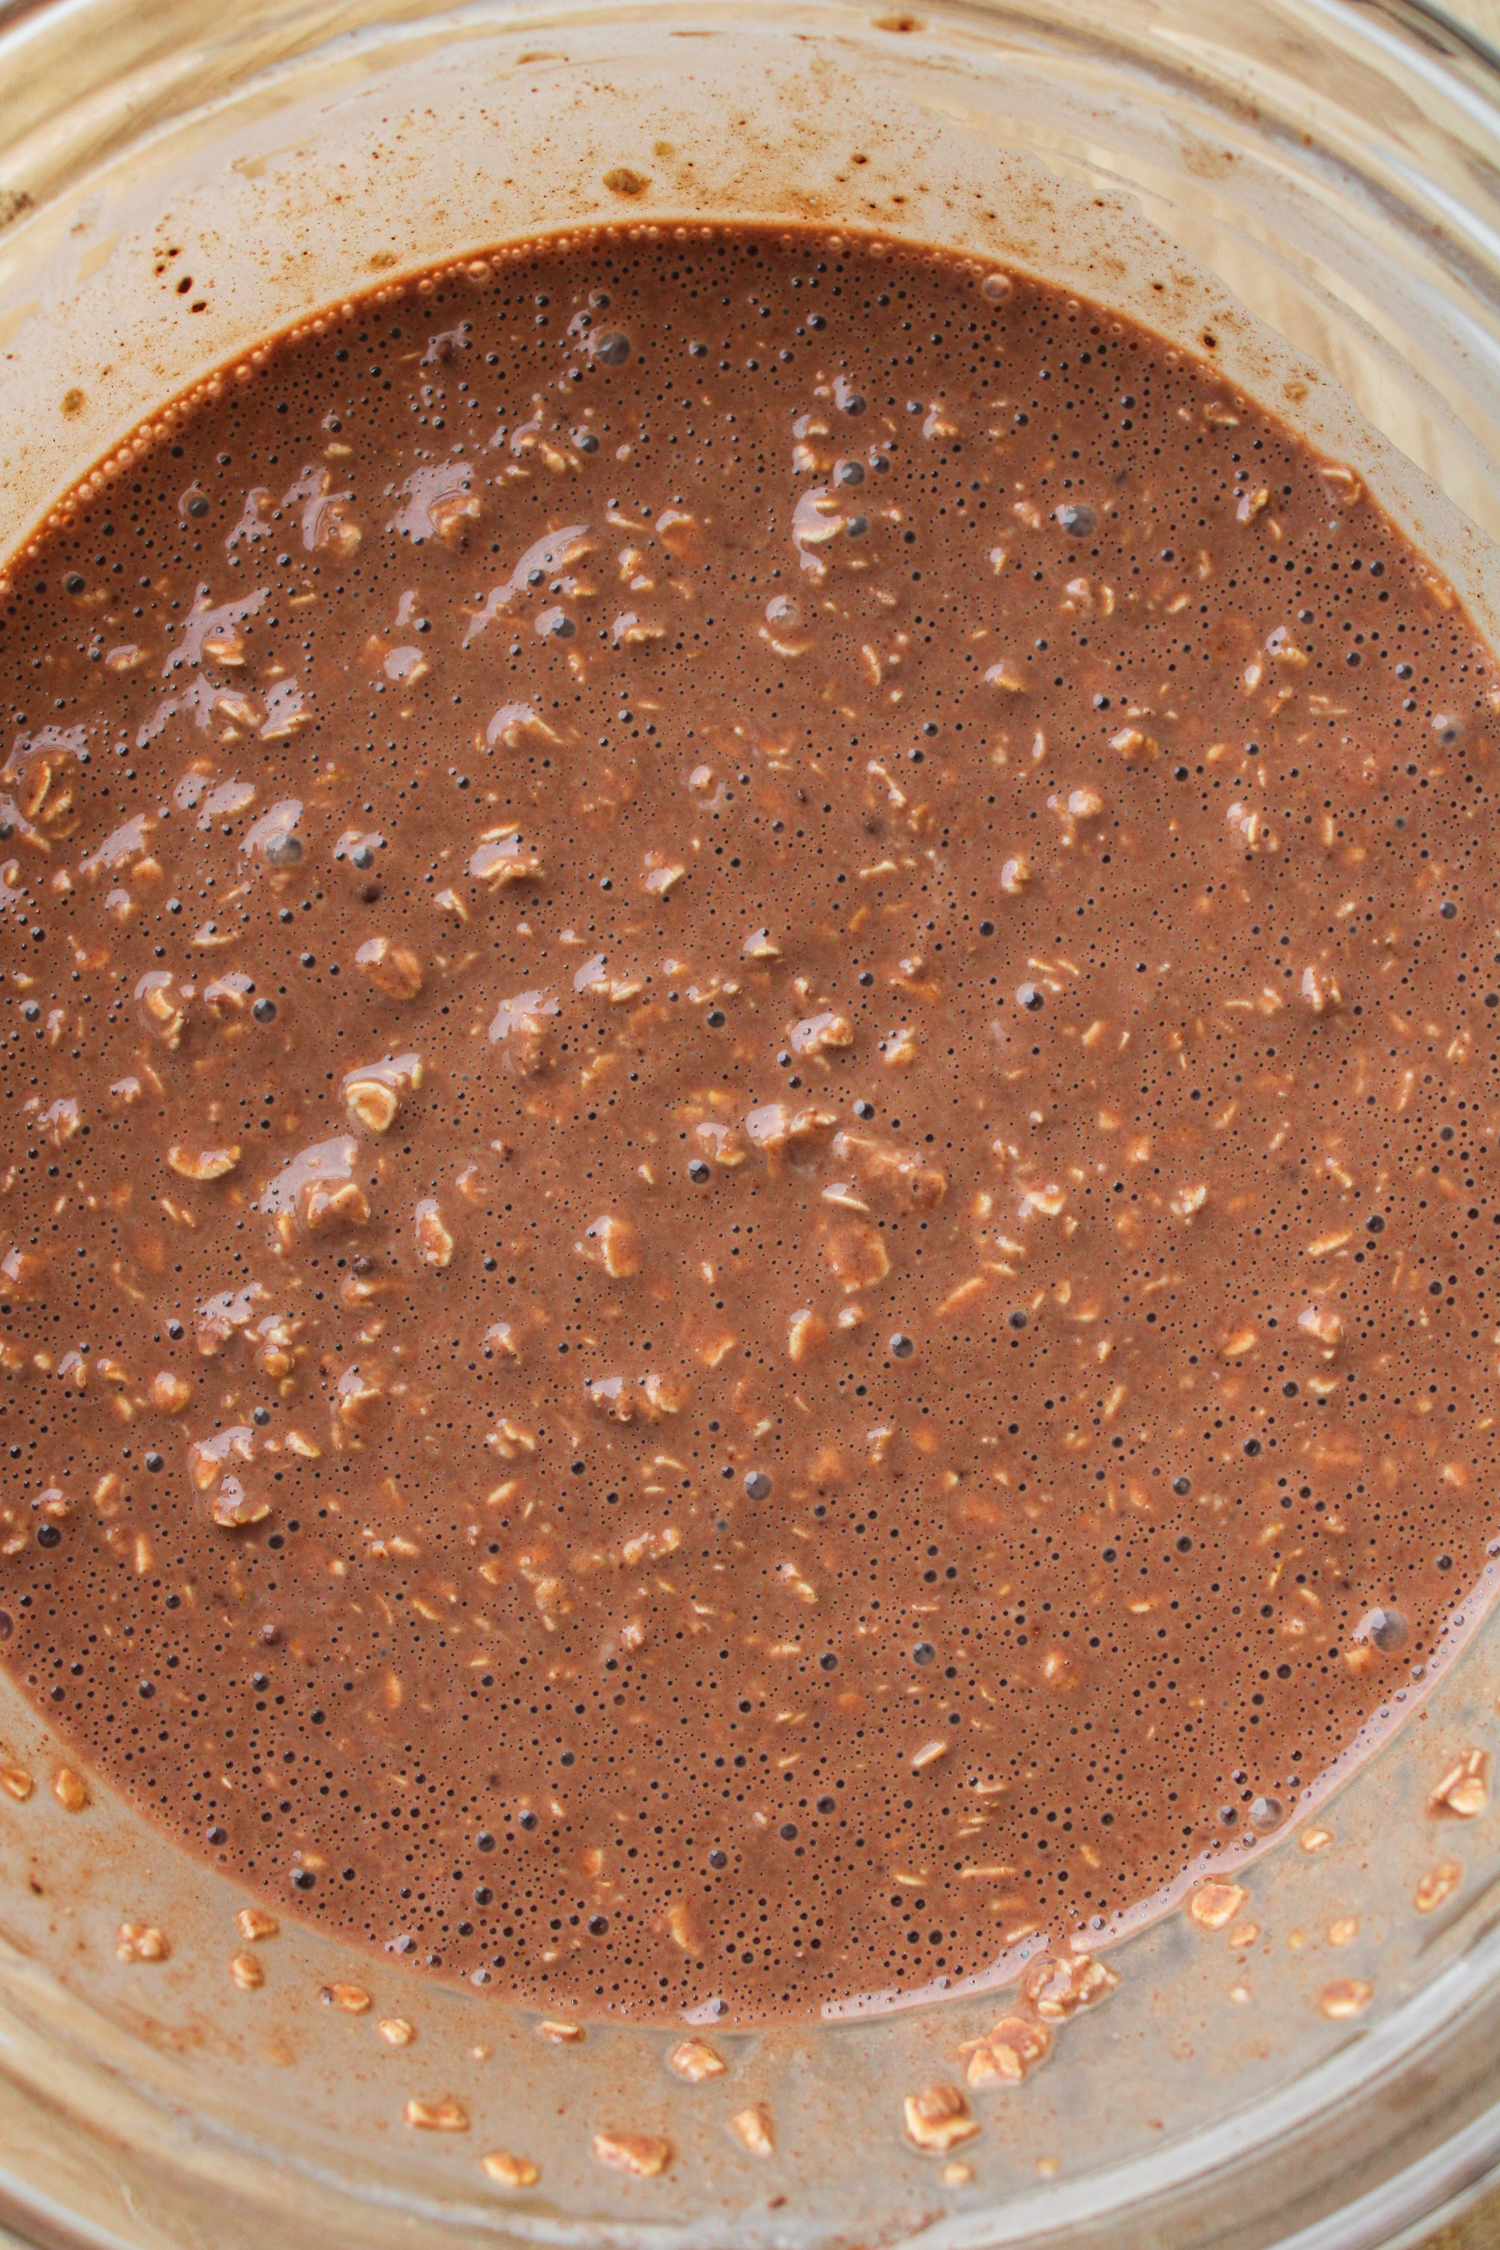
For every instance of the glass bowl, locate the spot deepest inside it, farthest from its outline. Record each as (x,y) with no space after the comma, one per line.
(1305,191)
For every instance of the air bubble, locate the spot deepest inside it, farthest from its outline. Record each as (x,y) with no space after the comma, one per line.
(1385,1629)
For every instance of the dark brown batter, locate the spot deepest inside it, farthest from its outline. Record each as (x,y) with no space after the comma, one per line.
(750,1106)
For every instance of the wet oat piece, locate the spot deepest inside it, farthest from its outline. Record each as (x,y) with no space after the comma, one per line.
(748,1184)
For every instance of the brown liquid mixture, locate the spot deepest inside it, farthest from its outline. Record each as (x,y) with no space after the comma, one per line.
(751,1076)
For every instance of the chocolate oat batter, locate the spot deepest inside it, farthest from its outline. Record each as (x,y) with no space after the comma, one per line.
(751,1075)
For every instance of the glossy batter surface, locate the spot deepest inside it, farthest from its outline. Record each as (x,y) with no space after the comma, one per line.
(749,1097)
